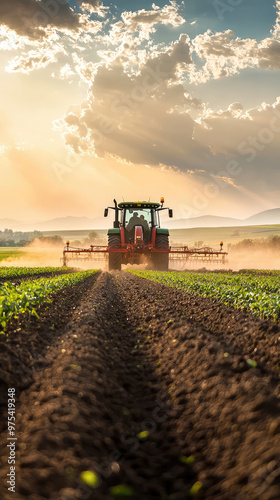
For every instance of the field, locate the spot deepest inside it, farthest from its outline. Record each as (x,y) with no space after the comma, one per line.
(269,259)
(210,235)
(213,235)
(11,253)
(141,385)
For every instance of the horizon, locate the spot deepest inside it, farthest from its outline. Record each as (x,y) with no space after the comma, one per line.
(220,221)
(174,99)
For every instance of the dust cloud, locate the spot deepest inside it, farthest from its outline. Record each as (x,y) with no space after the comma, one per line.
(254,259)
(235,261)
(47,255)
(35,257)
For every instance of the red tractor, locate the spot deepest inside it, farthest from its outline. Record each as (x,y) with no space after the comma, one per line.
(137,236)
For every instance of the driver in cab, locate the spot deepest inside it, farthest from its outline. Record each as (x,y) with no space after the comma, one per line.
(134,221)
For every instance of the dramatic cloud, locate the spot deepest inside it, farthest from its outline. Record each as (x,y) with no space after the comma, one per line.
(245,143)
(269,54)
(131,77)
(139,118)
(31,18)
(34,18)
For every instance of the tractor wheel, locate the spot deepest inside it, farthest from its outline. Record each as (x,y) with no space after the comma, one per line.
(161,260)
(115,259)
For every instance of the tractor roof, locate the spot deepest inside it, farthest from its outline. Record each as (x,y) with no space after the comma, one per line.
(138,204)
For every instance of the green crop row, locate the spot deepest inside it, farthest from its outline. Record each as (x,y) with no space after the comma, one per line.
(258,294)
(29,295)
(18,272)
(258,272)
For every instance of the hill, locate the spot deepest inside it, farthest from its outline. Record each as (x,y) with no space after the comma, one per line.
(267,217)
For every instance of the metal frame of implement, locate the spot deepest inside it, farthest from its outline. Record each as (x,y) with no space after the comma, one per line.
(182,253)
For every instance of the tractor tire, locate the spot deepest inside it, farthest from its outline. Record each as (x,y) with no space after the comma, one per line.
(160,261)
(115,259)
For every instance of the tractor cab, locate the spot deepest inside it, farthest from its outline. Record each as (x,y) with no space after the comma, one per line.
(138,220)
(137,229)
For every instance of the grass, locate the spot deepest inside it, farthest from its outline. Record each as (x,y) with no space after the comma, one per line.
(11,252)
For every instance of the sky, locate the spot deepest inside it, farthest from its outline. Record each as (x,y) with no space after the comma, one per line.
(138,100)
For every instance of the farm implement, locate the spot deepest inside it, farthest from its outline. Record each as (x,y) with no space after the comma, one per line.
(137,238)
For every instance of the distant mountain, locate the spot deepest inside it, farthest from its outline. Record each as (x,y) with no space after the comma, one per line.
(203,221)
(10,224)
(58,224)
(61,223)
(263,218)
(81,223)
(266,217)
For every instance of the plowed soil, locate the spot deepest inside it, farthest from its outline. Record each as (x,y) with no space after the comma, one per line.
(118,355)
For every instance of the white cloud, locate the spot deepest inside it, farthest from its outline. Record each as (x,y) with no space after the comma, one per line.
(65,72)
(94,7)
(35,59)
(10,40)
(276,29)
(224,55)
(166,15)
(86,70)
(138,26)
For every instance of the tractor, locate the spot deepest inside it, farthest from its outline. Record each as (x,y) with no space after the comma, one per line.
(137,236)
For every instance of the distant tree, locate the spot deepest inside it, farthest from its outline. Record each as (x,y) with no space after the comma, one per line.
(22,243)
(76,243)
(275,241)
(91,239)
(8,234)
(51,240)
(270,243)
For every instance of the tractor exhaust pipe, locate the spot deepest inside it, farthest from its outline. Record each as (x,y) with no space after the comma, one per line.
(116,222)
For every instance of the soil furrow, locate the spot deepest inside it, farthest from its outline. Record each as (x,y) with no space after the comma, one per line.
(226,413)
(87,407)
(243,333)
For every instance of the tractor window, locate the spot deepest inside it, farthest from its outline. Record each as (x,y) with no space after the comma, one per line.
(156,218)
(134,217)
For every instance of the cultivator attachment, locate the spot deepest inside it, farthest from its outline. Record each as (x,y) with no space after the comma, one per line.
(133,253)
(185,255)
(84,255)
